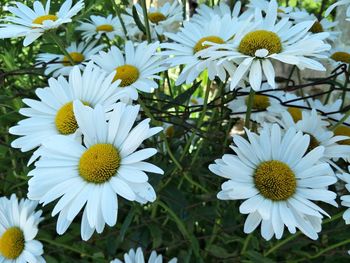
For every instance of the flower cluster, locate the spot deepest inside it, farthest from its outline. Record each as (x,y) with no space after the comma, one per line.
(88,133)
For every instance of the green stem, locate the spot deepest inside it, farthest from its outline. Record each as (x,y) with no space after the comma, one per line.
(145,16)
(344,88)
(329,248)
(162,135)
(200,121)
(70,248)
(249,108)
(341,121)
(180,224)
(116,7)
(60,45)
(246,243)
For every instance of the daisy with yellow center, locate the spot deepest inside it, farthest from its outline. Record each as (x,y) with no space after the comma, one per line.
(262,102)
(317,128)
(18,228)
(135,68)
(96,171)
(59,64)
(255,47)
(97,26)
(32,23)
(53,113)
(166,18)
(195,38)
(278,179)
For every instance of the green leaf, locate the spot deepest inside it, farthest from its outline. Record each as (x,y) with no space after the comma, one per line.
(138,20)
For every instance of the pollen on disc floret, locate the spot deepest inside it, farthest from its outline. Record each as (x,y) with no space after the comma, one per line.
(99,163)
(275,180)
(12,243)
(260,39)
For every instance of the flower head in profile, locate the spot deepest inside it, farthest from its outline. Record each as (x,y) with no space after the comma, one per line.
(138,257)
(135,67)
(53,113)
(278,179)
(58,64)
(32,23)
(92,174)
(267,40)
(18,227)
(98,26)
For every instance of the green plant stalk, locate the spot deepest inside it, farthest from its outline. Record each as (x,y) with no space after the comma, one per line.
(184,9)
(200,121)
(329,248)
(344,88)
(182,228)
(68,247)
(162,135)
(145,16)
(341,121)
(117,10)
(246,243)
(249,108)
(60,45)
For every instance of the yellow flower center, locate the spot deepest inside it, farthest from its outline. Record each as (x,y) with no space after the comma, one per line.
(279,10)
(275,180)
(170,131)
(260,102)
(295,113)
(343,131)
(199,45)
(99,163)
(128,74)
(313,143)
(105,28)
(76,57)
(341,57)
(65,120)
(39,20)
(12,243)
(316,28)
(260,39)
(194,101)
(156,17)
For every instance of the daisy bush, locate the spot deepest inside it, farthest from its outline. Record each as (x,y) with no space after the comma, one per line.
(174,131)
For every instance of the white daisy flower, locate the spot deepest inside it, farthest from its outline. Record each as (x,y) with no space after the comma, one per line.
(346,198)
(32,23)
(339,55)
(191,40)
(60,64)
(339,3)
(196,101)
(136,68)
(314,125)
(138,257)
(53,113)
(267,40)
(96,172)
(98,26)
(293,104)
(18,227)
(204,12)
(279,181)
(261,102)
(166,18)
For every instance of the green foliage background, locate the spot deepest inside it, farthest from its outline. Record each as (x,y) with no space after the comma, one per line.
(187,221)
